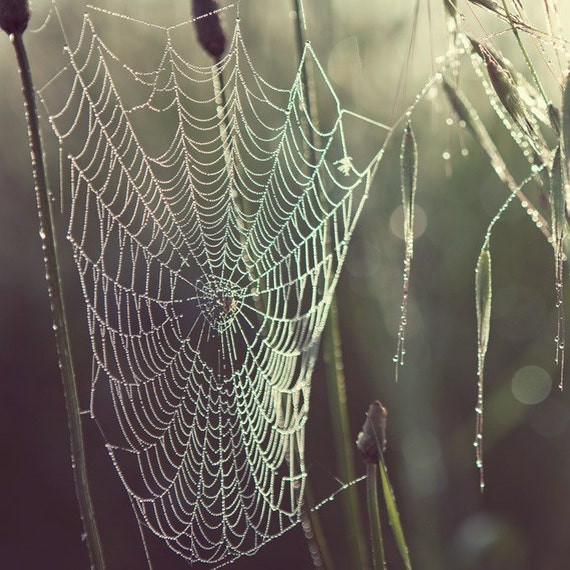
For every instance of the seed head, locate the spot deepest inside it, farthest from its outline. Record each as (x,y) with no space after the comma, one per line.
(208,27)
(371,440)
(14,16)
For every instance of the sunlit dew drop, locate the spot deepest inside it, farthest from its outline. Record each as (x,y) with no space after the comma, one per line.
(531,385)
(397,222)
(449,121)
(446,155)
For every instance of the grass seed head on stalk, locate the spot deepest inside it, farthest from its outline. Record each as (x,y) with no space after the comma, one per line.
(371,441)
(208,27)
(14,16)
(505,86)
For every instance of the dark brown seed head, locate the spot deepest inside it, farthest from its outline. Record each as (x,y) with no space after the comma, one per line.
(371,440)
(208,27)
(14,16)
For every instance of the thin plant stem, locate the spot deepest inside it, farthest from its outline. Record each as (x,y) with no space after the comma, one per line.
(378,558)
(525,54)
(336,388)
(332,350)
(60,327)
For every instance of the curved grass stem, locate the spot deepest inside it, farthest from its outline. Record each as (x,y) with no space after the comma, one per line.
(55,290)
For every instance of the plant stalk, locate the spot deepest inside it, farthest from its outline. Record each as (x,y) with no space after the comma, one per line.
(525,54)
(332,350)
(336,389)
(378,558)
(60,326)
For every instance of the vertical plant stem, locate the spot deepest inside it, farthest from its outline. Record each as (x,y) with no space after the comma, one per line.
(49,247)
(336,388)
(378,559)
(332,351)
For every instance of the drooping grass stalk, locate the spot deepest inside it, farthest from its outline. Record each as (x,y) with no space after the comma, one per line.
(332,350)
(55,290)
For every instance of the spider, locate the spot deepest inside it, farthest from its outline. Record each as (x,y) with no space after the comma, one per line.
(345,165)
(227,303)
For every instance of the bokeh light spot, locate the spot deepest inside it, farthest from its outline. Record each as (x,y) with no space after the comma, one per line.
(531,384)
(397,222)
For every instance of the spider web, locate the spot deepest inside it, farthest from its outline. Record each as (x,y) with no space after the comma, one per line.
(207,268)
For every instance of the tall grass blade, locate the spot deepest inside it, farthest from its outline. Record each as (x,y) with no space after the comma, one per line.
(336,390)
(376,541)
(394,515)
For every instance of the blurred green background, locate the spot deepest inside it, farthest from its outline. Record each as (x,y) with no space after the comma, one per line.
(521,521)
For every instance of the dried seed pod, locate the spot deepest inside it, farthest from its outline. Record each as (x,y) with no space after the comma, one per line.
(371,441)
(208,27)
(14,16)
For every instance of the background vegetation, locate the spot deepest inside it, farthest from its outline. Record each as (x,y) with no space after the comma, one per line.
(521,520)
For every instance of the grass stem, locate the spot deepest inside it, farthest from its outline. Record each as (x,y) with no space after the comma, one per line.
(60,327)
(336,389)
(525,54)
(332,349)
(378,558)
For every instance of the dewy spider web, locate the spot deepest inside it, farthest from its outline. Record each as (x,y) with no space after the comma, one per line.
(207,269)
